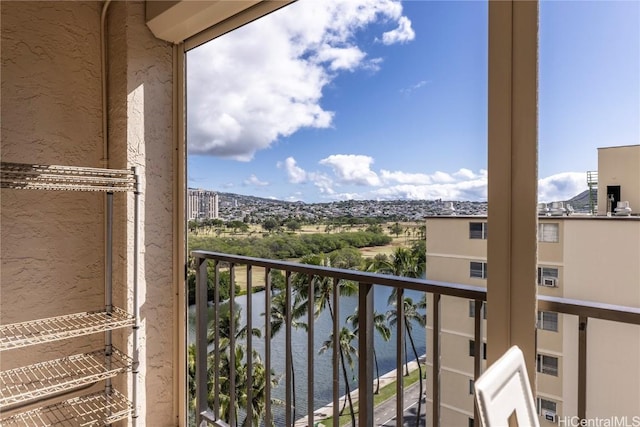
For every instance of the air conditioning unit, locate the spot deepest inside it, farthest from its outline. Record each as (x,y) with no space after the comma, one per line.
(549,415)
(550,282)
(543,210)
(557,209)
(623,208)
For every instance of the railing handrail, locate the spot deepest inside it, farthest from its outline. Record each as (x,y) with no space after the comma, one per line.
(595,310)
(363,277)
(591,309)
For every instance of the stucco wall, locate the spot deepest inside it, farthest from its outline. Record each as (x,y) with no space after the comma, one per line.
(141,134)
(53,243)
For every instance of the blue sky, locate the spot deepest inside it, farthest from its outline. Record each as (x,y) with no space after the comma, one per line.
(380,99)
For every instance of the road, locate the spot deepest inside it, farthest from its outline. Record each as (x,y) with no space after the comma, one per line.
(385,412)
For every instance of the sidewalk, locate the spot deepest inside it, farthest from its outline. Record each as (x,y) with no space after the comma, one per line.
(327,411)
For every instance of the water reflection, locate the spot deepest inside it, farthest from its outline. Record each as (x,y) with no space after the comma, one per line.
(323,379)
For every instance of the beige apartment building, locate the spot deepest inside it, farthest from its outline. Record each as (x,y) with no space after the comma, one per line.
(584,257)
(202,204)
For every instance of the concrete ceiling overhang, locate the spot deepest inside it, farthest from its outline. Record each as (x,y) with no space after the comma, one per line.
(198,21)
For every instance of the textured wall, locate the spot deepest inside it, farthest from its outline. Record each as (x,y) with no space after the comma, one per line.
(141,134)
(53,243)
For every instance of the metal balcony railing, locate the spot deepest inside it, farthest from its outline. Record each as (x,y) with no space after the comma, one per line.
(365,283)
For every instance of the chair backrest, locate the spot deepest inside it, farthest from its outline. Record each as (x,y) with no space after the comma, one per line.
(504,389)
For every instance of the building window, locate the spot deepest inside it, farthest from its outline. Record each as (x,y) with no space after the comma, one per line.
(471,424)
(548,321)
(548,232)
(478,269)
(472,349)
(472,309)
(548,276)
(478,230)
(547,365)
(547,409)
(471,389)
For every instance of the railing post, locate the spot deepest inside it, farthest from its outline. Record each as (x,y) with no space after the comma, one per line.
(310,354)
(582,367)
(249,354)
(477,357)
(288,361)
(335,357)
(436,361)
(216,340)
(268,416)
(232,345)
(365,355)
(400,357)
(201,338)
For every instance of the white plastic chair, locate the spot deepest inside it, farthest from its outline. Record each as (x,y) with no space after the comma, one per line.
(504,389)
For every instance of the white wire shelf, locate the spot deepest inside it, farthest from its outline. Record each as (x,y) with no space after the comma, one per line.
(67,178)
(97,409)
(39,331)
(55,376)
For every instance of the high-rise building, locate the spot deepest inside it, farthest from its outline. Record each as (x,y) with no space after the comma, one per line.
(583,257)
(202,204)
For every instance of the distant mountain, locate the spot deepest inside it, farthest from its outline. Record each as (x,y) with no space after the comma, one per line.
(237,205)
(255,209)
(580,203)
(232,198)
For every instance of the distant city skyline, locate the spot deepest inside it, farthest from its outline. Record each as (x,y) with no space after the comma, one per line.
(383,100)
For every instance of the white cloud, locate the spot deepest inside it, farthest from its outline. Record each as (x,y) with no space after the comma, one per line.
(442,177)
(352,169)
(473,190)
(296,174)
(562,186)
(408,90)
(346,196)
(253,180)
(402,34)
(465,174)
(404,177)
(466,184)
(244,93)
(425,179)
(322,182)
(340,58)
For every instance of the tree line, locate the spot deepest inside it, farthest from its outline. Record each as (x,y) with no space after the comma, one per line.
(286,246)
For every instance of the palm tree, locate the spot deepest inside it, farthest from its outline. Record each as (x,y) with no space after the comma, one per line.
(278,318)
(224,325)
(412,314)
(259,372)
(380,325)
(259,379)
(191,370)
(323,288)
(403,262)
(347,351)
